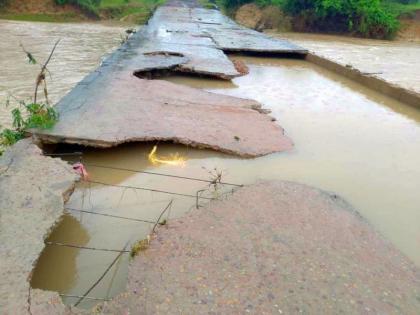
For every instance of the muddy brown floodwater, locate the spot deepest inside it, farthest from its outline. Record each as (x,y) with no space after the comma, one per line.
(348,140)
(79,52)
(393,61)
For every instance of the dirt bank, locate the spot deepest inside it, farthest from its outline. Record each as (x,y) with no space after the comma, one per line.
(267,250)
(41,10)
(40,6)
(270,17)
(127,12)
(410,29)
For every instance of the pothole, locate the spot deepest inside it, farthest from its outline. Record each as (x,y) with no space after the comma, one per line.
(126,194)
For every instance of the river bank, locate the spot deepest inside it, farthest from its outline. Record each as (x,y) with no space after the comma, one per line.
(112,11)
(328,119)
(271,17)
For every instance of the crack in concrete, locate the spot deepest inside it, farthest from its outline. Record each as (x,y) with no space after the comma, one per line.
(29,300)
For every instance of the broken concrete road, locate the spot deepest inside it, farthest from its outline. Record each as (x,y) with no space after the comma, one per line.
(33,189)
(202,35)
(271,248)
(123,108)
(112,106)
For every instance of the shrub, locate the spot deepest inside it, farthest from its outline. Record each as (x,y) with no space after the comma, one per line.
(89,7)
(364,17)
(3,3)
(35,116)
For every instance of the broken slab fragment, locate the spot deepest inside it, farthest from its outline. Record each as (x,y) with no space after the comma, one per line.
(122,108)
(33,189)
(271,248)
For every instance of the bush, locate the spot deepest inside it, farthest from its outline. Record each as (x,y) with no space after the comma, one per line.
(35,115)
(89,7)
(3,3)
(363,17)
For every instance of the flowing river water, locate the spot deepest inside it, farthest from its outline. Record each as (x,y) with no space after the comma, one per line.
(348,140)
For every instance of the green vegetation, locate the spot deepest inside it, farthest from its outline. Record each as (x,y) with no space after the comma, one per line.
(36,116)
(33,116)
(41,17)
(89,7)
(368,18)
(138,10)
(402,7)
(134,11)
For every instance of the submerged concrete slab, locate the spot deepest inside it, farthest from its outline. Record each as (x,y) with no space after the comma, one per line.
(271,248)
(33,189)
(123,108)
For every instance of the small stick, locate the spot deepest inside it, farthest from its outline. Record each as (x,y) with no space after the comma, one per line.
(41,75)
(102,276)
(64,154)
(197,198)
(85,297)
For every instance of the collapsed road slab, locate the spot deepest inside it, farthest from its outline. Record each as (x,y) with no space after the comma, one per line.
(33,189)
(116,109)
(223,32)
(271,248)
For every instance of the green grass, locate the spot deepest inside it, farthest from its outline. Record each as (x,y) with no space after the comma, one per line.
(400,9)
(41,17)
(140,10)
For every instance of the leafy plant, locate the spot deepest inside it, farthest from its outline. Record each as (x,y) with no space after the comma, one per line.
(35,116)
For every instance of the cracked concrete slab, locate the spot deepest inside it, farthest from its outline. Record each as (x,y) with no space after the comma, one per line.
(271,248)
(121,108)
(33,189)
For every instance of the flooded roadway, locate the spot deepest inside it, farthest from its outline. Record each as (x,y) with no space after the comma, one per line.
(396,62)
(348,139)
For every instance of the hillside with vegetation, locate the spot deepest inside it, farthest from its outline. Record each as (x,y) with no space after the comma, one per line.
(366,18)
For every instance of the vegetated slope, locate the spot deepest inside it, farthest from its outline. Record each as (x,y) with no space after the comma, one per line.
(375,18)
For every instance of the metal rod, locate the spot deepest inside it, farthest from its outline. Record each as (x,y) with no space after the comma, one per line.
(111,215)
(86,297)
(102,276)
(64,154)
(85,247)
(164,210)
(149,189)
(160,174)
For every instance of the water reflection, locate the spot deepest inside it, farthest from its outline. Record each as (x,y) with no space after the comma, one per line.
(56,268)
